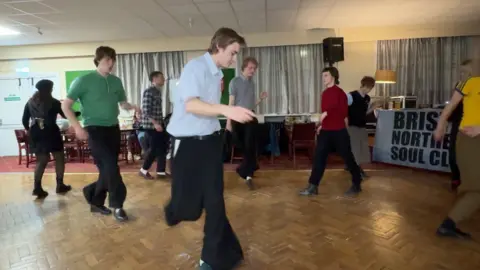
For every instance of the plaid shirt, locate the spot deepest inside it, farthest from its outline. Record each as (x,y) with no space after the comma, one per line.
(151,108)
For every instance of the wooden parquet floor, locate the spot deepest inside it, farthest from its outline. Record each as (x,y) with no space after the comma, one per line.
(391,226)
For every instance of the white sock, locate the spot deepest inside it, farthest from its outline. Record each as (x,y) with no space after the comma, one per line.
(161,173)
(248,178)
(201,262)
(143,171)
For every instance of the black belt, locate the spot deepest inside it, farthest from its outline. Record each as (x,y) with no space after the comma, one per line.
(200,138)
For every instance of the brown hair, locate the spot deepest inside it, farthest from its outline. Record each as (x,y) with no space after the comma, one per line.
(154,74)
(334,72)
(224,37)
(368,82)
(466,62)
(248,60)
(102,52)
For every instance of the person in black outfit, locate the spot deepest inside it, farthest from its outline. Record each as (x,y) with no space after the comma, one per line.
(152,123)
(455,119)
(40,121)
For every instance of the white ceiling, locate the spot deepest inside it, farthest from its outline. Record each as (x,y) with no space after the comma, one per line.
(62,21)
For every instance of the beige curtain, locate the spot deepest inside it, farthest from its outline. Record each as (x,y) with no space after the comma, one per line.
(427,68)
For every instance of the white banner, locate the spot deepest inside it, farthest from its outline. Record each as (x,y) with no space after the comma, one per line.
(405,138)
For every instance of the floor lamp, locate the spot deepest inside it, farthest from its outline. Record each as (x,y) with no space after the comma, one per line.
(385,77)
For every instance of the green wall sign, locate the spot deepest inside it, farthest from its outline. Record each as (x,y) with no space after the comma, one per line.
(11,98)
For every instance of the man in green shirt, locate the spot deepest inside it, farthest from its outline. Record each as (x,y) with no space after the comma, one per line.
(100,93)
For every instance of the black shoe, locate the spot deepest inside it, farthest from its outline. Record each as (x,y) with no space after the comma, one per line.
(249,182)
(448,228)
(310,190)
(62,188)
(100,209)
(120,214)
(353,191)
(455,233)
(40,193)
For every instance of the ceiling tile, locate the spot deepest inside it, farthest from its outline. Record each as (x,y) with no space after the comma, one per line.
(195,25)
(308,18)
(165,3)
(281,20)
(249,21)
(183,10)
(316,3)
(222,20)
(28,19)
(249,17)
(282,4)
(33,7)
(248,5)
(87,6)
(215,8)
(6,10)
(209,1)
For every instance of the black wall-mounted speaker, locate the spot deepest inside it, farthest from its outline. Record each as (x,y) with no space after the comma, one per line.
(333,50)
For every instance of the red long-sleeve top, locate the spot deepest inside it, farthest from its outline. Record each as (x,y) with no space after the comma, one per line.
(335,103)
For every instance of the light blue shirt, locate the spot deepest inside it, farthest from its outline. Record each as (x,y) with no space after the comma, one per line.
(201,78)
(349,99)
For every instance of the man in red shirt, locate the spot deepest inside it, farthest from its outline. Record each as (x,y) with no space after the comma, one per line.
(333,135)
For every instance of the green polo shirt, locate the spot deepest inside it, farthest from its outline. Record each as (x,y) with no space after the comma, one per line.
(99,97)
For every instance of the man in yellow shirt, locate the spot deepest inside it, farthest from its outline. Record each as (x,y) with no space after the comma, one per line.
(468,153)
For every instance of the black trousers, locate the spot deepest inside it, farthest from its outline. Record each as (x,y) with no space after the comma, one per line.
(104,143)
(245,137)
(157,150)
(329,141)
(197,184)
(452,153)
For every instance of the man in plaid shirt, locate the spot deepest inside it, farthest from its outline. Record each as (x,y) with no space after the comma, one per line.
(152,123)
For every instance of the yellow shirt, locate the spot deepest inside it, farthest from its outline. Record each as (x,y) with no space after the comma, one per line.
(471,102)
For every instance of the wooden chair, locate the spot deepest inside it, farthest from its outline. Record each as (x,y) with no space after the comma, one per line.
(302,137)
(232,155)
(23,145)
(124,145)
(73,147)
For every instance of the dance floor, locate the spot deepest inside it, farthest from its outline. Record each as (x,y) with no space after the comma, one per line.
(391,226)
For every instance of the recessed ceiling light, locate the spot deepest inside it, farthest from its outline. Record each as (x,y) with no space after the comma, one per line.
(8,32)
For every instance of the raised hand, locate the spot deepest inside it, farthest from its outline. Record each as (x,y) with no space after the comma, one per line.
(263,95)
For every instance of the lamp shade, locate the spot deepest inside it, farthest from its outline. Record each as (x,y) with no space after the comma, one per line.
(385,76)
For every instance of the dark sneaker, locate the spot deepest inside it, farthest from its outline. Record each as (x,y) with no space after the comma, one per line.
(40,193)
(309,191)
(62,188)
(100,209)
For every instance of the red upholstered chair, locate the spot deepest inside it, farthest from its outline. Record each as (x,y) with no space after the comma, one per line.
(302,137)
